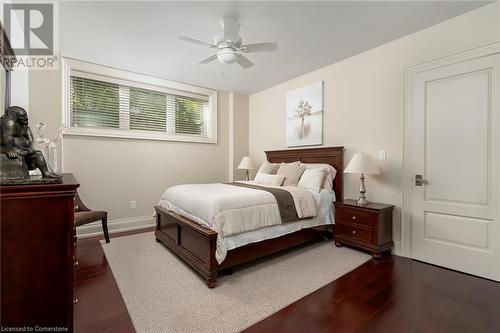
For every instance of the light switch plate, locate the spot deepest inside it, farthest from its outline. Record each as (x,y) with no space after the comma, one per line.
(382,156)
(133,204)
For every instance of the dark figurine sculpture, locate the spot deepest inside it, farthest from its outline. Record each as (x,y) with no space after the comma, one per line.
(18,154)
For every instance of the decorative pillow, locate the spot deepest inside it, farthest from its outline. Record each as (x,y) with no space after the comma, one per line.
(330,173)
(268,168)
(292,173)
(312,179)
(271,180)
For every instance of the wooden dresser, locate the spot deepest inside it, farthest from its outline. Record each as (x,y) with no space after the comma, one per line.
(368,227)
(37,255)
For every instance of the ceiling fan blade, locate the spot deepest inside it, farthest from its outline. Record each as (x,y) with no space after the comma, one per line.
(260,47)
(243,61)
(208,59)
(196,41)
(231,29)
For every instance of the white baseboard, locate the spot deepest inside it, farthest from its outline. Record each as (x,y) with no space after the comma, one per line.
(134,223)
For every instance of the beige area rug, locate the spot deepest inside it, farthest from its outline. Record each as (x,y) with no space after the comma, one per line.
(163,294)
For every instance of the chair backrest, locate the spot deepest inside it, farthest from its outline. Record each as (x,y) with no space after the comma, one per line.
(79,205)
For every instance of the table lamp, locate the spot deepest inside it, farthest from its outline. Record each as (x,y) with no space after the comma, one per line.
(246,164)
(362,163)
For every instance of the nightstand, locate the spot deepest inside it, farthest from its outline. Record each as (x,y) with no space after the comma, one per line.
(368,227)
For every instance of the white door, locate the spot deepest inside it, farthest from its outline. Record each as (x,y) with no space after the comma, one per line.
(456,150)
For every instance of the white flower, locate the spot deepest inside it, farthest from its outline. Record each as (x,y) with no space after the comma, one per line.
(42,140)
(303,109)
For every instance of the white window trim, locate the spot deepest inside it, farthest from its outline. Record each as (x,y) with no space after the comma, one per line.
(90,70)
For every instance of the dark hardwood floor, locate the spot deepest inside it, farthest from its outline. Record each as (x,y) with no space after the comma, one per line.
(394,294)
(100,307)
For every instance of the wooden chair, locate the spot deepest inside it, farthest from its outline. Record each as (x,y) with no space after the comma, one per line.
(84,215)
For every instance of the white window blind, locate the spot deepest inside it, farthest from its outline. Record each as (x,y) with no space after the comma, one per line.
(94,103)
(108,102)
(98,104)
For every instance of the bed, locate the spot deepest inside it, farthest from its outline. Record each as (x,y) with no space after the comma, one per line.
(197,245)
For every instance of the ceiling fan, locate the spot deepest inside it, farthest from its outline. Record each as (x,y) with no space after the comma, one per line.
(230,46)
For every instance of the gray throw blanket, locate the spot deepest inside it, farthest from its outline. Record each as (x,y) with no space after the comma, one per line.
(286,205)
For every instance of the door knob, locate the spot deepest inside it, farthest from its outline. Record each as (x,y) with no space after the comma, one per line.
(419,180)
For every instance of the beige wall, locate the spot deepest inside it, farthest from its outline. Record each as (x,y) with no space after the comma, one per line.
(239,133)
(113,172)
(2,89)
(363,100)
(19,80)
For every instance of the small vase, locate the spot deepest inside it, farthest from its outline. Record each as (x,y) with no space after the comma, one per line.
(52,158)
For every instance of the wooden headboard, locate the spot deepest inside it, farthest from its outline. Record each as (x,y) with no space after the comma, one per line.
(327,155)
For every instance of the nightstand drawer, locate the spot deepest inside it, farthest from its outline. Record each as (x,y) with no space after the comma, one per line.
(355,216)
(351,231)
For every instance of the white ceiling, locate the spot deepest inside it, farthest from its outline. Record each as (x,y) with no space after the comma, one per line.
(142,37)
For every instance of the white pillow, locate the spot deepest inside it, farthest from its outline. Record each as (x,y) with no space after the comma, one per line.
(271,180)
(330,174)
(268,168)
(312,179)
(292,173)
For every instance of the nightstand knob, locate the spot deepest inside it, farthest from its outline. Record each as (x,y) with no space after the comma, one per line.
(354,232)
(354,217)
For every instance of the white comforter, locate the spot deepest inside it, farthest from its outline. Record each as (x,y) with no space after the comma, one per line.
(230,210)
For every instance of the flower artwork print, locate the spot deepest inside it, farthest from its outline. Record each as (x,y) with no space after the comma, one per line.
(305,115)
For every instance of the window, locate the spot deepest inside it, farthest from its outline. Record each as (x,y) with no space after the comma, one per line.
(102,101)
(94,103)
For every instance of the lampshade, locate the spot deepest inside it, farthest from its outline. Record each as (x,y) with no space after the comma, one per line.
(362,163)
(246,163)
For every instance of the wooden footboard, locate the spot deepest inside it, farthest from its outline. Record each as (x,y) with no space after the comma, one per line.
(196,244)
(192,242)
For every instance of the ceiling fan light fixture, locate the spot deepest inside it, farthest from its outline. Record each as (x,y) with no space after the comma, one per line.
(227,56)
(230,46)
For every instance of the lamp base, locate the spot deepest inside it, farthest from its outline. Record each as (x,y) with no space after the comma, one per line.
(362,190)
(362,201)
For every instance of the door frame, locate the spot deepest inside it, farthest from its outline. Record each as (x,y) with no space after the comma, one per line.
(407,181)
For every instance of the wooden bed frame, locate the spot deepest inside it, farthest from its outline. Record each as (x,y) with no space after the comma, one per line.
(196,244)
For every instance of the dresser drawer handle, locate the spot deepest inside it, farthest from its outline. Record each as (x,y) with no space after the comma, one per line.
(354,232)
(354,217)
